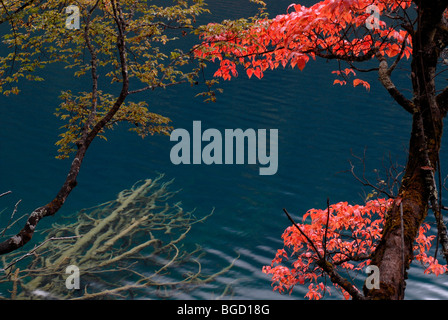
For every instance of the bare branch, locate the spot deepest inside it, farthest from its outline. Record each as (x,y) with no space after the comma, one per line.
(31,252)
(365,182)
(303,233)
(336,278)
(384,77)
(12,216)
(326,227)
(5,193)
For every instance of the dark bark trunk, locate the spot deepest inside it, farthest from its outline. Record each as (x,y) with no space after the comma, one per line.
(395,251)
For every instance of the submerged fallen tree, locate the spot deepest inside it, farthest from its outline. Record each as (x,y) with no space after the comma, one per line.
(126,248)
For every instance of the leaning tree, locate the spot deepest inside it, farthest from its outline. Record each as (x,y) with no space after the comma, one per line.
(364,36)
(121,48)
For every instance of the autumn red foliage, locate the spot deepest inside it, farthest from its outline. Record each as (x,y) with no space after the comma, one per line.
(347,235)
(343,235)
(324,30)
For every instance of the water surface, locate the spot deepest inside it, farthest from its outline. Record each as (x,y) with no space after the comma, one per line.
(320,127)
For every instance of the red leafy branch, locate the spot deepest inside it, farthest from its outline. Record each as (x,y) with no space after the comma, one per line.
(329,30)
(337,239)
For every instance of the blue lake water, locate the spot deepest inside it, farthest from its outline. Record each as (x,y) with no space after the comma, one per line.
(319,126)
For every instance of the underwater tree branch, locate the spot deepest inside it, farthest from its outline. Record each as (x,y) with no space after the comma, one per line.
(139,236)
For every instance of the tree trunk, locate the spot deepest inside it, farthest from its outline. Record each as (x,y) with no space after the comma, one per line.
(395,251)
(26,233)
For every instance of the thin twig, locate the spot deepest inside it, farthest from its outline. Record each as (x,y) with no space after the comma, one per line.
(303,233)
(326,227)
(10,219)
(402,238)
(5,193)
(31,252)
